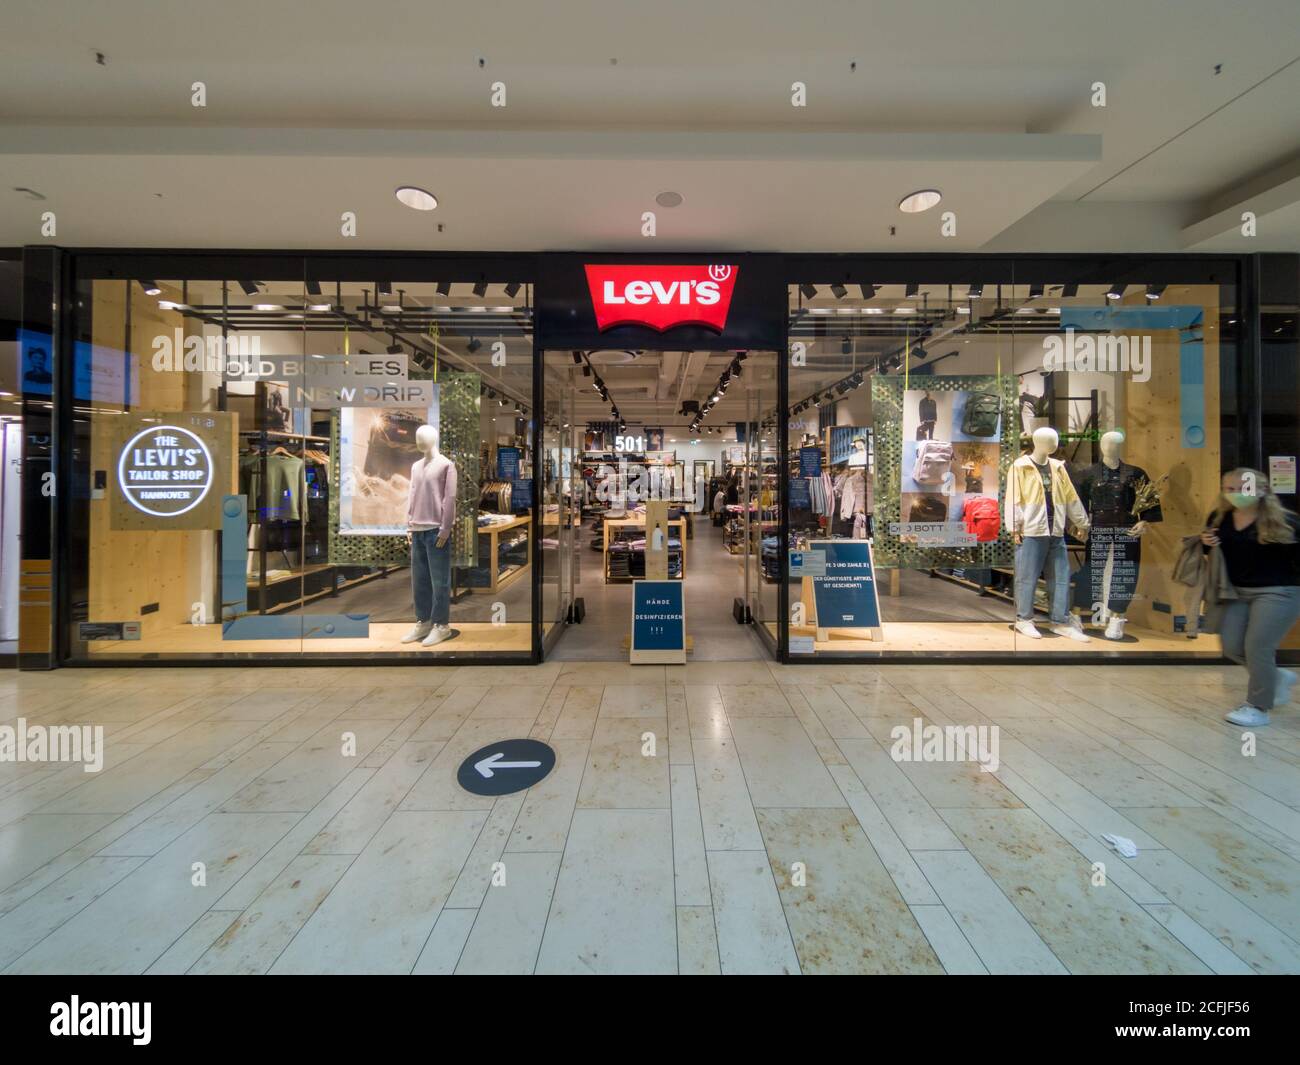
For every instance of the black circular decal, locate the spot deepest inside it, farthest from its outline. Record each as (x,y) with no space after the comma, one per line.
(505,766)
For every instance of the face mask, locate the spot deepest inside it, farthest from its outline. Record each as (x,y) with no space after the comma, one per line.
(1241,499)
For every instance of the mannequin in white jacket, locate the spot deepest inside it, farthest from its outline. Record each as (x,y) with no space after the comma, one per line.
(1041,502)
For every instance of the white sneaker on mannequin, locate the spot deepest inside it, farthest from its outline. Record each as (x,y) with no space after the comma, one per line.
(436,635)
(1115,627)
(418,633)
(1026,628)
(1071,630)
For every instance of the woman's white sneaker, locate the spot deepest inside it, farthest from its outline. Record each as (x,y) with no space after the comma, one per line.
(1286,679)
(1026,628)
(1248,715)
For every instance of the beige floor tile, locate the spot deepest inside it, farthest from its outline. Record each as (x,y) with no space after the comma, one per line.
(781,764)
(697,942)
(619,775)
(508,932)
(378,917)
(1091,929)
(844,912)
(251,942)
(633,700)
(954,951)
(613,910)
(753,937)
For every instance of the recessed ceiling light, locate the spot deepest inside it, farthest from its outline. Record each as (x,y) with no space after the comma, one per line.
(415,198)
(921,200)
(669,199)
(320,307)
(267,307)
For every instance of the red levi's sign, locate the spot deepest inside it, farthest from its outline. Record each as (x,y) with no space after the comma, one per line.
(661,297)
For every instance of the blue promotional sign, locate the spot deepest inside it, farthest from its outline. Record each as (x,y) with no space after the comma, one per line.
(846,596)
(507,463)
(521,494)
(800,497)
(810,462)
(658,622)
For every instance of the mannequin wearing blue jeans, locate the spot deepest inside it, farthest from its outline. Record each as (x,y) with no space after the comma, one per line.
(431,577)
(1045,555)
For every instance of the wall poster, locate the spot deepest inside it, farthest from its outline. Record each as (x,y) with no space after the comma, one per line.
(943,447)
(376,452)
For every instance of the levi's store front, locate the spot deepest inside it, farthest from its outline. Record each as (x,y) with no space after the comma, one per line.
(450,459)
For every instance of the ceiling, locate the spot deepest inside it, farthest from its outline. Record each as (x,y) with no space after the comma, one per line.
(320,109)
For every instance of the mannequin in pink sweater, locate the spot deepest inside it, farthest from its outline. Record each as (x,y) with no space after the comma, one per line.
(430,516)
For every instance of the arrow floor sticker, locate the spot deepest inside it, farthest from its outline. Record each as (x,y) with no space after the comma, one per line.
(505,767)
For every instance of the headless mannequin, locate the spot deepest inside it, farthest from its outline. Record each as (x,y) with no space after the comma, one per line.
(426,441)
(1110,551)
(430,518)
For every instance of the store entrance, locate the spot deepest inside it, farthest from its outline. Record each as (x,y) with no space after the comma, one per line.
(695,431)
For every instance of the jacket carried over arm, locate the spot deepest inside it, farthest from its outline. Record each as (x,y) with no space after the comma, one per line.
(1026,504)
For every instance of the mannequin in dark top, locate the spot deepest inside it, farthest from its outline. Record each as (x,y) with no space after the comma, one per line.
(1109,490)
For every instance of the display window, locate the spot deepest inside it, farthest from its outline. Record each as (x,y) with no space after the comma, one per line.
(1001,464)
(318,467)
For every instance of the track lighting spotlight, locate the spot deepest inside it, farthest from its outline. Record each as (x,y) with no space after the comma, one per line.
(313,287)
(809,291)
(1035,292)
(394,348)
(1154,292)
(512,290)
(868,291)
(1115,291)
(384,288)
(976,289)
(251,288)
(480,289)
(839,291)
(444,288)
(150,288)
(913,289)
(577,358)
(474,344)
(1069,291)
(846,346)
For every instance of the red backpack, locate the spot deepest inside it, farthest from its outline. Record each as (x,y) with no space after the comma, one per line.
(982,518)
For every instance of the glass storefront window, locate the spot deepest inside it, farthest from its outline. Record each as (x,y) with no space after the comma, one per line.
(1005,464)
(330,468)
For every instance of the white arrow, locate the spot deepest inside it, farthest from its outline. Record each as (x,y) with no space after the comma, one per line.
(493,761)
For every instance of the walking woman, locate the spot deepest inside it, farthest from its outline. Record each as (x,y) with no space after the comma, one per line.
(1261,553)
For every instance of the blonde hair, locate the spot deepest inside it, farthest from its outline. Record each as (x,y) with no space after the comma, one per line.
(1273,525)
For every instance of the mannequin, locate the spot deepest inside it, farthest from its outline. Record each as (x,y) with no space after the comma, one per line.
(1109,491)
(430,517)
(1041,503)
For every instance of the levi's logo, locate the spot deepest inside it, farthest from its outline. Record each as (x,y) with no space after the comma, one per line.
(661,297)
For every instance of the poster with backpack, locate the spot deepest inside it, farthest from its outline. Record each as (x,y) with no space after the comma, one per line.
(951,463)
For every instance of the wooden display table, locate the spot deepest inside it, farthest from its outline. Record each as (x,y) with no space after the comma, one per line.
(639,523)
(499,578)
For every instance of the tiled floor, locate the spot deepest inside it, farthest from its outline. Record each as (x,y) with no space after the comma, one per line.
(734,817)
